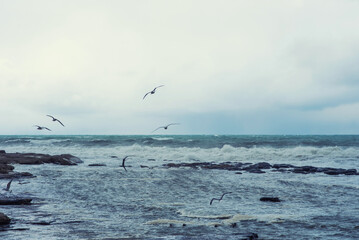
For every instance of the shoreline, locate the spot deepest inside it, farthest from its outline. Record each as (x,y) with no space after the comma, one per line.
(7,172)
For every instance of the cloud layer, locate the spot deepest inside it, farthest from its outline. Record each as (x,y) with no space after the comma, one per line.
(229,67)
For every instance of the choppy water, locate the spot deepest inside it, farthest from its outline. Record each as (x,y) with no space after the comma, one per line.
(152,202)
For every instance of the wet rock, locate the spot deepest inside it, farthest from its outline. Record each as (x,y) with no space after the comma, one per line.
(5,168)
(258,168)
(36,158)
(43,223)
(253,236)
(269,199)
(12,175)
(2,152)
(336,171)
(15,201)
(4,219)
(97,165)
(277,166)
(255,171)
(305,169)
(351,172)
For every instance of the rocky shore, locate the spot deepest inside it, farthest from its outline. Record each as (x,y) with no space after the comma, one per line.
(7,172)
(262,166)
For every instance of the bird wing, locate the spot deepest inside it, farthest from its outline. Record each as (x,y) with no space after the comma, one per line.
(158,87)
(124,167)
(146,95)
(50,116)
(60,122)
(157,129)
(47,128)
(8,185)
(172,124)
(210,203)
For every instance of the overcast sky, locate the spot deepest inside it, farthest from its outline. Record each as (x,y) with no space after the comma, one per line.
(229,67)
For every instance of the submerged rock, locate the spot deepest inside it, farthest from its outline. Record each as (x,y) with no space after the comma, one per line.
(4,219)
(97,165)
(15,201)
(269,199)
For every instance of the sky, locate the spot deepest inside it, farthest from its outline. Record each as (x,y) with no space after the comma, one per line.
(228,67)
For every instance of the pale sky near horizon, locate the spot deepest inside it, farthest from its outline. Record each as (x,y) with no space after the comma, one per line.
(229,67)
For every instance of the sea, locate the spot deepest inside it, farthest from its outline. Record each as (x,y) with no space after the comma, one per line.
(153,201)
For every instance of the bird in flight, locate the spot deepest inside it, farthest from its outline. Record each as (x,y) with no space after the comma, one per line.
(218,199)
(165,127)
(41,128)
(152,92)
(8,186)
(55,120)
(123,161)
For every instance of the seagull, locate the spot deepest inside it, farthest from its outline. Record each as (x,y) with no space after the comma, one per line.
(55,119)
(152,92)
(165,127)
(41,128)
(8,186)
(218,199)
(123,161)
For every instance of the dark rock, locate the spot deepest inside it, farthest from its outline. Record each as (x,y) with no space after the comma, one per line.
(253,236)
(5,168)
(43,223)
(305,169)
(351,172)
(4,219)
(283,166)
(239,173)
(258,166)
(269,199)
(255,171)
(97,165)
(262,165)
(12,175)
(335,171)
(2,152)
(36,158)
(15,201)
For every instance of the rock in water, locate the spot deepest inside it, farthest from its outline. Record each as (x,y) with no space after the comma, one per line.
(269,199)
(15,201)
(4,219)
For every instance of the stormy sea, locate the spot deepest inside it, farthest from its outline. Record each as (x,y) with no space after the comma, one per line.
(165,187)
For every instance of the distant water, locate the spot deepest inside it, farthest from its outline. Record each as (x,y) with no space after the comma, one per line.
(150,201)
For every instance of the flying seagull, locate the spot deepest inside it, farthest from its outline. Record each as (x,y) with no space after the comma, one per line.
(123,161)
(55,119)
(8,186)
(165,127)
(152,92)
(41,128)
(218,199)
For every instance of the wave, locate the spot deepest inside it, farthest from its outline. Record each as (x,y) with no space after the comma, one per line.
(190,141)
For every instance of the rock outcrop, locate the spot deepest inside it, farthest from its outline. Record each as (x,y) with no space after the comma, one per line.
(4,219)
(6,170)
(260,167)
